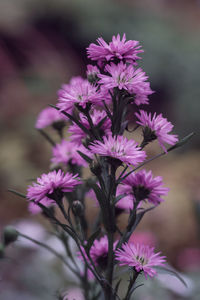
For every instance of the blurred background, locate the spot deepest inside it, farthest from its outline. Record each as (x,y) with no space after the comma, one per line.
(42,45)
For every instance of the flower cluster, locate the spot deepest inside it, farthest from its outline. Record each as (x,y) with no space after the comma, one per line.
(94,136)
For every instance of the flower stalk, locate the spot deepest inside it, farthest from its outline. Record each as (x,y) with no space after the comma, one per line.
(95,111)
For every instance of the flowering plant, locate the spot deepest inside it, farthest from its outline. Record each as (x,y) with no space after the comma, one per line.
(96,113)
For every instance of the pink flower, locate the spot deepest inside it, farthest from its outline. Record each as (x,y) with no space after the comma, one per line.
(117,49)
(141,258)
(66,152)
(156,127)
(97,116)
(120,148)
(51,186)
(79,91)
(142,186)
(48,116)
(127,78)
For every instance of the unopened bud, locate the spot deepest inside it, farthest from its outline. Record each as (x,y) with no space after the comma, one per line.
(10,235)
(77,208)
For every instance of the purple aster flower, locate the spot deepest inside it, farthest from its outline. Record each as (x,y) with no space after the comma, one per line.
(51,186)
(156,127)
(66,152)
(142,258)
(142,186)
(120,148)
(48,116)
(116,50)
(79,91)
(129,79)
(97,116)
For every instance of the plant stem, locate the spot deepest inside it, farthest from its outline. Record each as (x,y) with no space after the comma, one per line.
(110,233)
(130,286)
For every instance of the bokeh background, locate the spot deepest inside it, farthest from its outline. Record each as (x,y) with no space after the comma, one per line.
(42,45)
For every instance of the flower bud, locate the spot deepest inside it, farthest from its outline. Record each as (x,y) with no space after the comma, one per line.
(77,208)
(10,235)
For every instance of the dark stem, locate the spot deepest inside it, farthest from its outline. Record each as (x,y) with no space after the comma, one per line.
(130,286)
(110,233)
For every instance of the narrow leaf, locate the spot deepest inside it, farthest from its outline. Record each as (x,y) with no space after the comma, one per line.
(181,142)
(85,157)
(91,239)
(72,119)
(17,193)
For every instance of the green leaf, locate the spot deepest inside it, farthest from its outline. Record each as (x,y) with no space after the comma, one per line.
(85,157)
(91,239)
(17,193)
(181,142)
(164,269)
